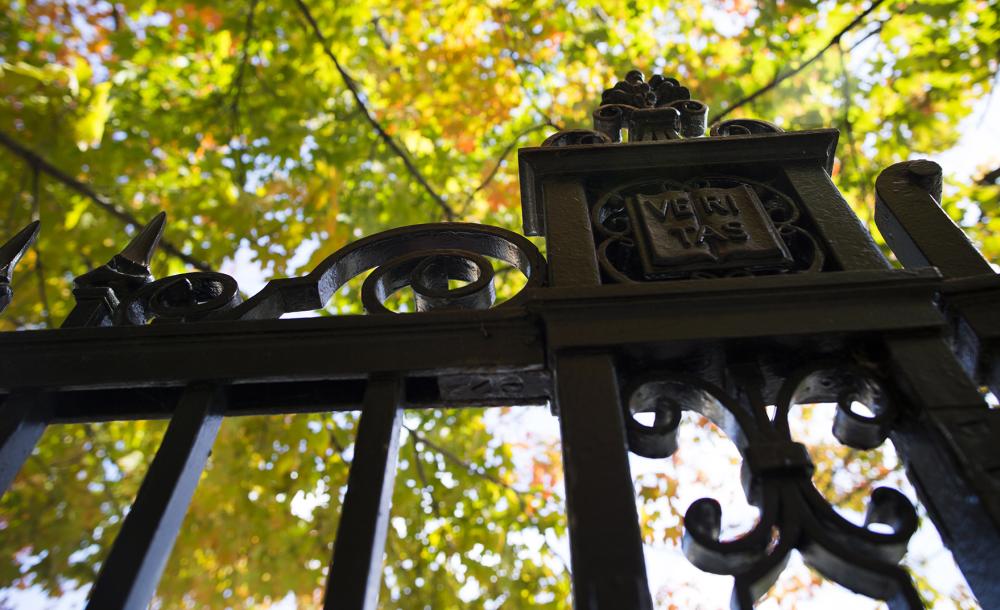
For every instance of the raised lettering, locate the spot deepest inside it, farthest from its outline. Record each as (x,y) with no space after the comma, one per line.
(706,232)
(713,205)
(724,205)
(681,234)
(682,207)
(679,207)
(735,231)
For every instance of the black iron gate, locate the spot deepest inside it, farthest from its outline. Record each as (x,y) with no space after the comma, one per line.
(721,274)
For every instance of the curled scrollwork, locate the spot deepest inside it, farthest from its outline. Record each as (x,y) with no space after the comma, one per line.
(660,109)
(576,137)
(180,298)
(776,476)
(626,245)
(744,127)
(425,258)
(428,277)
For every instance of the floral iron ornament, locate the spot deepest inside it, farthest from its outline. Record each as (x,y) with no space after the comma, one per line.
(776,477)
(653,110)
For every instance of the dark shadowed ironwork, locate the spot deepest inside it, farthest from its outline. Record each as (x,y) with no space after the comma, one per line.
(723,275)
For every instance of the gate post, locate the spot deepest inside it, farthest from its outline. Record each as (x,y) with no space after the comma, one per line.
(674,251)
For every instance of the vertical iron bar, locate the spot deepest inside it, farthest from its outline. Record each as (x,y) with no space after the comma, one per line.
(572,261)
(609,571)
(129,576)
(948,443)
(356,570)
(23,417)
(908,213)
(950,449)
(851,245)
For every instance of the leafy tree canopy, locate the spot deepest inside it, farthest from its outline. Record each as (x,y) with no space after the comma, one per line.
(292,127)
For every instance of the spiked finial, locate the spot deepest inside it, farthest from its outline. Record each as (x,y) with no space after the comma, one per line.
(10,253)
(140,250)
(99,291)
(13,250)
(128,269)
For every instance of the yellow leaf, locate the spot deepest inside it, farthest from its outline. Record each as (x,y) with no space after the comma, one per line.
(90,128)
(75,212)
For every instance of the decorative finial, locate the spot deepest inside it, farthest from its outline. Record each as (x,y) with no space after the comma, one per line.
(13,250)
(660,109)
(128,269)
(99,291)
(140,250)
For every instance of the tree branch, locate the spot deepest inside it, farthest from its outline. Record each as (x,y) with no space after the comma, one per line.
(37,162)
(244,58)
(777,80)
(355,90)
(990,178)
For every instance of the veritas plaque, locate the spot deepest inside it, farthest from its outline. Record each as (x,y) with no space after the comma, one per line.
(705,229)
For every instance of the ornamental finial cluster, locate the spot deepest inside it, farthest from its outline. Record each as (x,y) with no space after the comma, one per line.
(658,109)
(635,91)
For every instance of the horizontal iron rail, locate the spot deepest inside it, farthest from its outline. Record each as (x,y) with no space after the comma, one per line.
(273,398)
(461,343)
(271,350)
(731,308)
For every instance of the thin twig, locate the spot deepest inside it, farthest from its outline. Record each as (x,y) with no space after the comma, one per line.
(355,90)
(851,142)
(777,80)
(874,32)
(36,161)
(418,463)
(39,267)
(549,121)
(454,459)
(518,61)
(337,445)
(237,86)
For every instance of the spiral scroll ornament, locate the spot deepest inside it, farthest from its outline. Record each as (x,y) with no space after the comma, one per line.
(186,297)
(777,480)
(424,258)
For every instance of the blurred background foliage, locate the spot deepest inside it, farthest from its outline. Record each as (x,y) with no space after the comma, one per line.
(273,133)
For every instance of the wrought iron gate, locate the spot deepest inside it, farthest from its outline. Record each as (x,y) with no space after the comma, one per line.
(721,274)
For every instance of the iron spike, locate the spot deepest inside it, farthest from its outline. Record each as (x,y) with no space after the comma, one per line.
(140,250)
(13,250)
